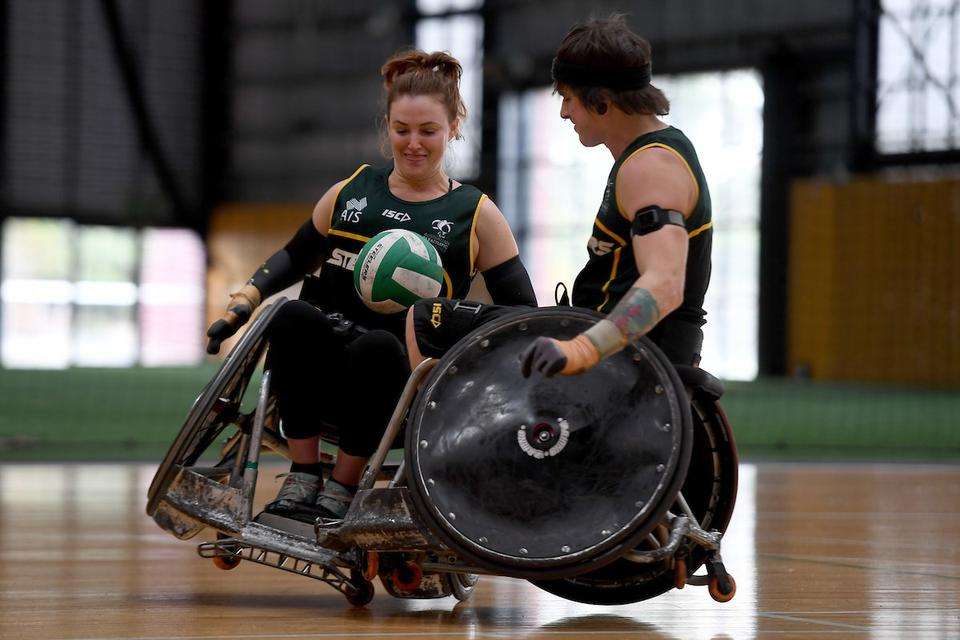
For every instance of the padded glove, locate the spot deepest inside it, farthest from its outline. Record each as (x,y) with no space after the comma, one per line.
(239,309)
(566,357)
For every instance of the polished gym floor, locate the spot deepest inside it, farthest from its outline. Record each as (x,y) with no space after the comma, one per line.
(817,550)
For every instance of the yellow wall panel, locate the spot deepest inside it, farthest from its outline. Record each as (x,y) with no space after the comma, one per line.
(883,303)
(241,237)
(811,277)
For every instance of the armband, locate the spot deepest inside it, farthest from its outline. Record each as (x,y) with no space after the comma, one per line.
(653,218)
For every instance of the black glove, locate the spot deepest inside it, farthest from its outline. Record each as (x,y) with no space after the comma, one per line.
(543,355)
(238,311)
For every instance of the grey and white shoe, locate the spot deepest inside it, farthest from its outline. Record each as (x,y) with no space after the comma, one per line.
(334,501)
(299,490)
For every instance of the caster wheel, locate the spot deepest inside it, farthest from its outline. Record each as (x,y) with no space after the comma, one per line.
(462,585)
(372,566)
(407,576)
(362,591)
(721,594)
(680,573)
(226,563)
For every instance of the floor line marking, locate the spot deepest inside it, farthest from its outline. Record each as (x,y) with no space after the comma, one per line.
(852,565)
(841,625)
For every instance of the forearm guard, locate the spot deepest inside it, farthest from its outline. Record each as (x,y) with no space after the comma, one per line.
(305,252)
(509,283)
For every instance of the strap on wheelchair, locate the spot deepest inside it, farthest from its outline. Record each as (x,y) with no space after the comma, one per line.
(312,291)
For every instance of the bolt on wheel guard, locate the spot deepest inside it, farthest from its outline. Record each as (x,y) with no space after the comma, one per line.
(546,477)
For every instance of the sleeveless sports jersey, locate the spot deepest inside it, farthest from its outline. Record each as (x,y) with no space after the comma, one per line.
(365,207)
(612,269)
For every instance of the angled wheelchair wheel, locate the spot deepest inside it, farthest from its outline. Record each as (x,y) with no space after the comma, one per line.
(710,489)
(217,407)
(462,585)
(546,477)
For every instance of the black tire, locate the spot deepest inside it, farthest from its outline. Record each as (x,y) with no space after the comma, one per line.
(364,590)
(217,406)
(711,497)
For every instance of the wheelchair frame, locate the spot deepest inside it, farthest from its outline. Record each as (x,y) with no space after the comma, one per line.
(383,534)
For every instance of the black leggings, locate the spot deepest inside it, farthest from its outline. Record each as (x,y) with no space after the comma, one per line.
(324,382)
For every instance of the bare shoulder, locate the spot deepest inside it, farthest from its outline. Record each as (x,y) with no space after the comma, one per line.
(323,210)
(489,211)
(655,176)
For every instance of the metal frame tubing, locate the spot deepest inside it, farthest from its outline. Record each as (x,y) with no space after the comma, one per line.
(396,421)
(253,452)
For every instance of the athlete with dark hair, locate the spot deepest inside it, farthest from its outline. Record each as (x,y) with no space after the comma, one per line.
(649,257)
(323,379)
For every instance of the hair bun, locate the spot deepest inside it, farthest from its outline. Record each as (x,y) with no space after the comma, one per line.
(418,61)
(418,73)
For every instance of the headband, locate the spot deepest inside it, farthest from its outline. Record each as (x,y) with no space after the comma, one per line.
(578,75)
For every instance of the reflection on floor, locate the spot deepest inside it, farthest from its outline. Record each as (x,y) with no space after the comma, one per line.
(817,550)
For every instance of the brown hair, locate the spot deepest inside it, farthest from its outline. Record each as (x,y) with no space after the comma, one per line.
(610,44)
(418,73)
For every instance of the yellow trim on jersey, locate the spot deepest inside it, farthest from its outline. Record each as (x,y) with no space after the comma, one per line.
(619,240)
(700,230)
(613,276)
(473,236)
(446,280)
(693,176)
(347,234)
(333,207)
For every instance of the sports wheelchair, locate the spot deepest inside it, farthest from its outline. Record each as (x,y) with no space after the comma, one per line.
(610,487)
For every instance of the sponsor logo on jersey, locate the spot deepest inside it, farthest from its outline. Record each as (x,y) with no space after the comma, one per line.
(443,227)
(343,259)
(399,216)
(436,312)
(354,209)
(599,247)
(466,305)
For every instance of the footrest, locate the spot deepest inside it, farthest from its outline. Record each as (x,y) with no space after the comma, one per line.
(195,496)
(319,567)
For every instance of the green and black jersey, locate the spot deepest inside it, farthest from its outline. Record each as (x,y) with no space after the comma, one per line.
(612,269)
(365,207)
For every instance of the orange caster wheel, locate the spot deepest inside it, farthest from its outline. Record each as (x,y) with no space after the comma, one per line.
(723,594)
(680,573)
(407,577)
(371,566)
(226,562)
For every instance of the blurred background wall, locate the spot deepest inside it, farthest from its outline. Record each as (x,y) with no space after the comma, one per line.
(154,153)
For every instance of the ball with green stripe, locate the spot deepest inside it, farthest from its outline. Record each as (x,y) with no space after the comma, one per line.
(395,269)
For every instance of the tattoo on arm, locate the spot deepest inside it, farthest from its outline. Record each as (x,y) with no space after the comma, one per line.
(635,314)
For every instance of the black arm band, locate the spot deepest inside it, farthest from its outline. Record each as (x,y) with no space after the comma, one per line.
(654,218)
(302,255)
(509,283)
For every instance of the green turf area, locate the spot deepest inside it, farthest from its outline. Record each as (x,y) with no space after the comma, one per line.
(134,414)
(789,418)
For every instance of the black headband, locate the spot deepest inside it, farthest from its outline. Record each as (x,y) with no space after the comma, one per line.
(579,75)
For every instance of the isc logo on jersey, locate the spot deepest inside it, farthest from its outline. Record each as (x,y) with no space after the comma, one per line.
(399,216)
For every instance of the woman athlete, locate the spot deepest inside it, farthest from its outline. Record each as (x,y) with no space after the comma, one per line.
(324,381)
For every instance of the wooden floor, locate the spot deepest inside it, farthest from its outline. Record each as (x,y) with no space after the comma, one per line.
(837,551)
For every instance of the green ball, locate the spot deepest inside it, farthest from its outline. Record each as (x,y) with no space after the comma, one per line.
(396,268)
